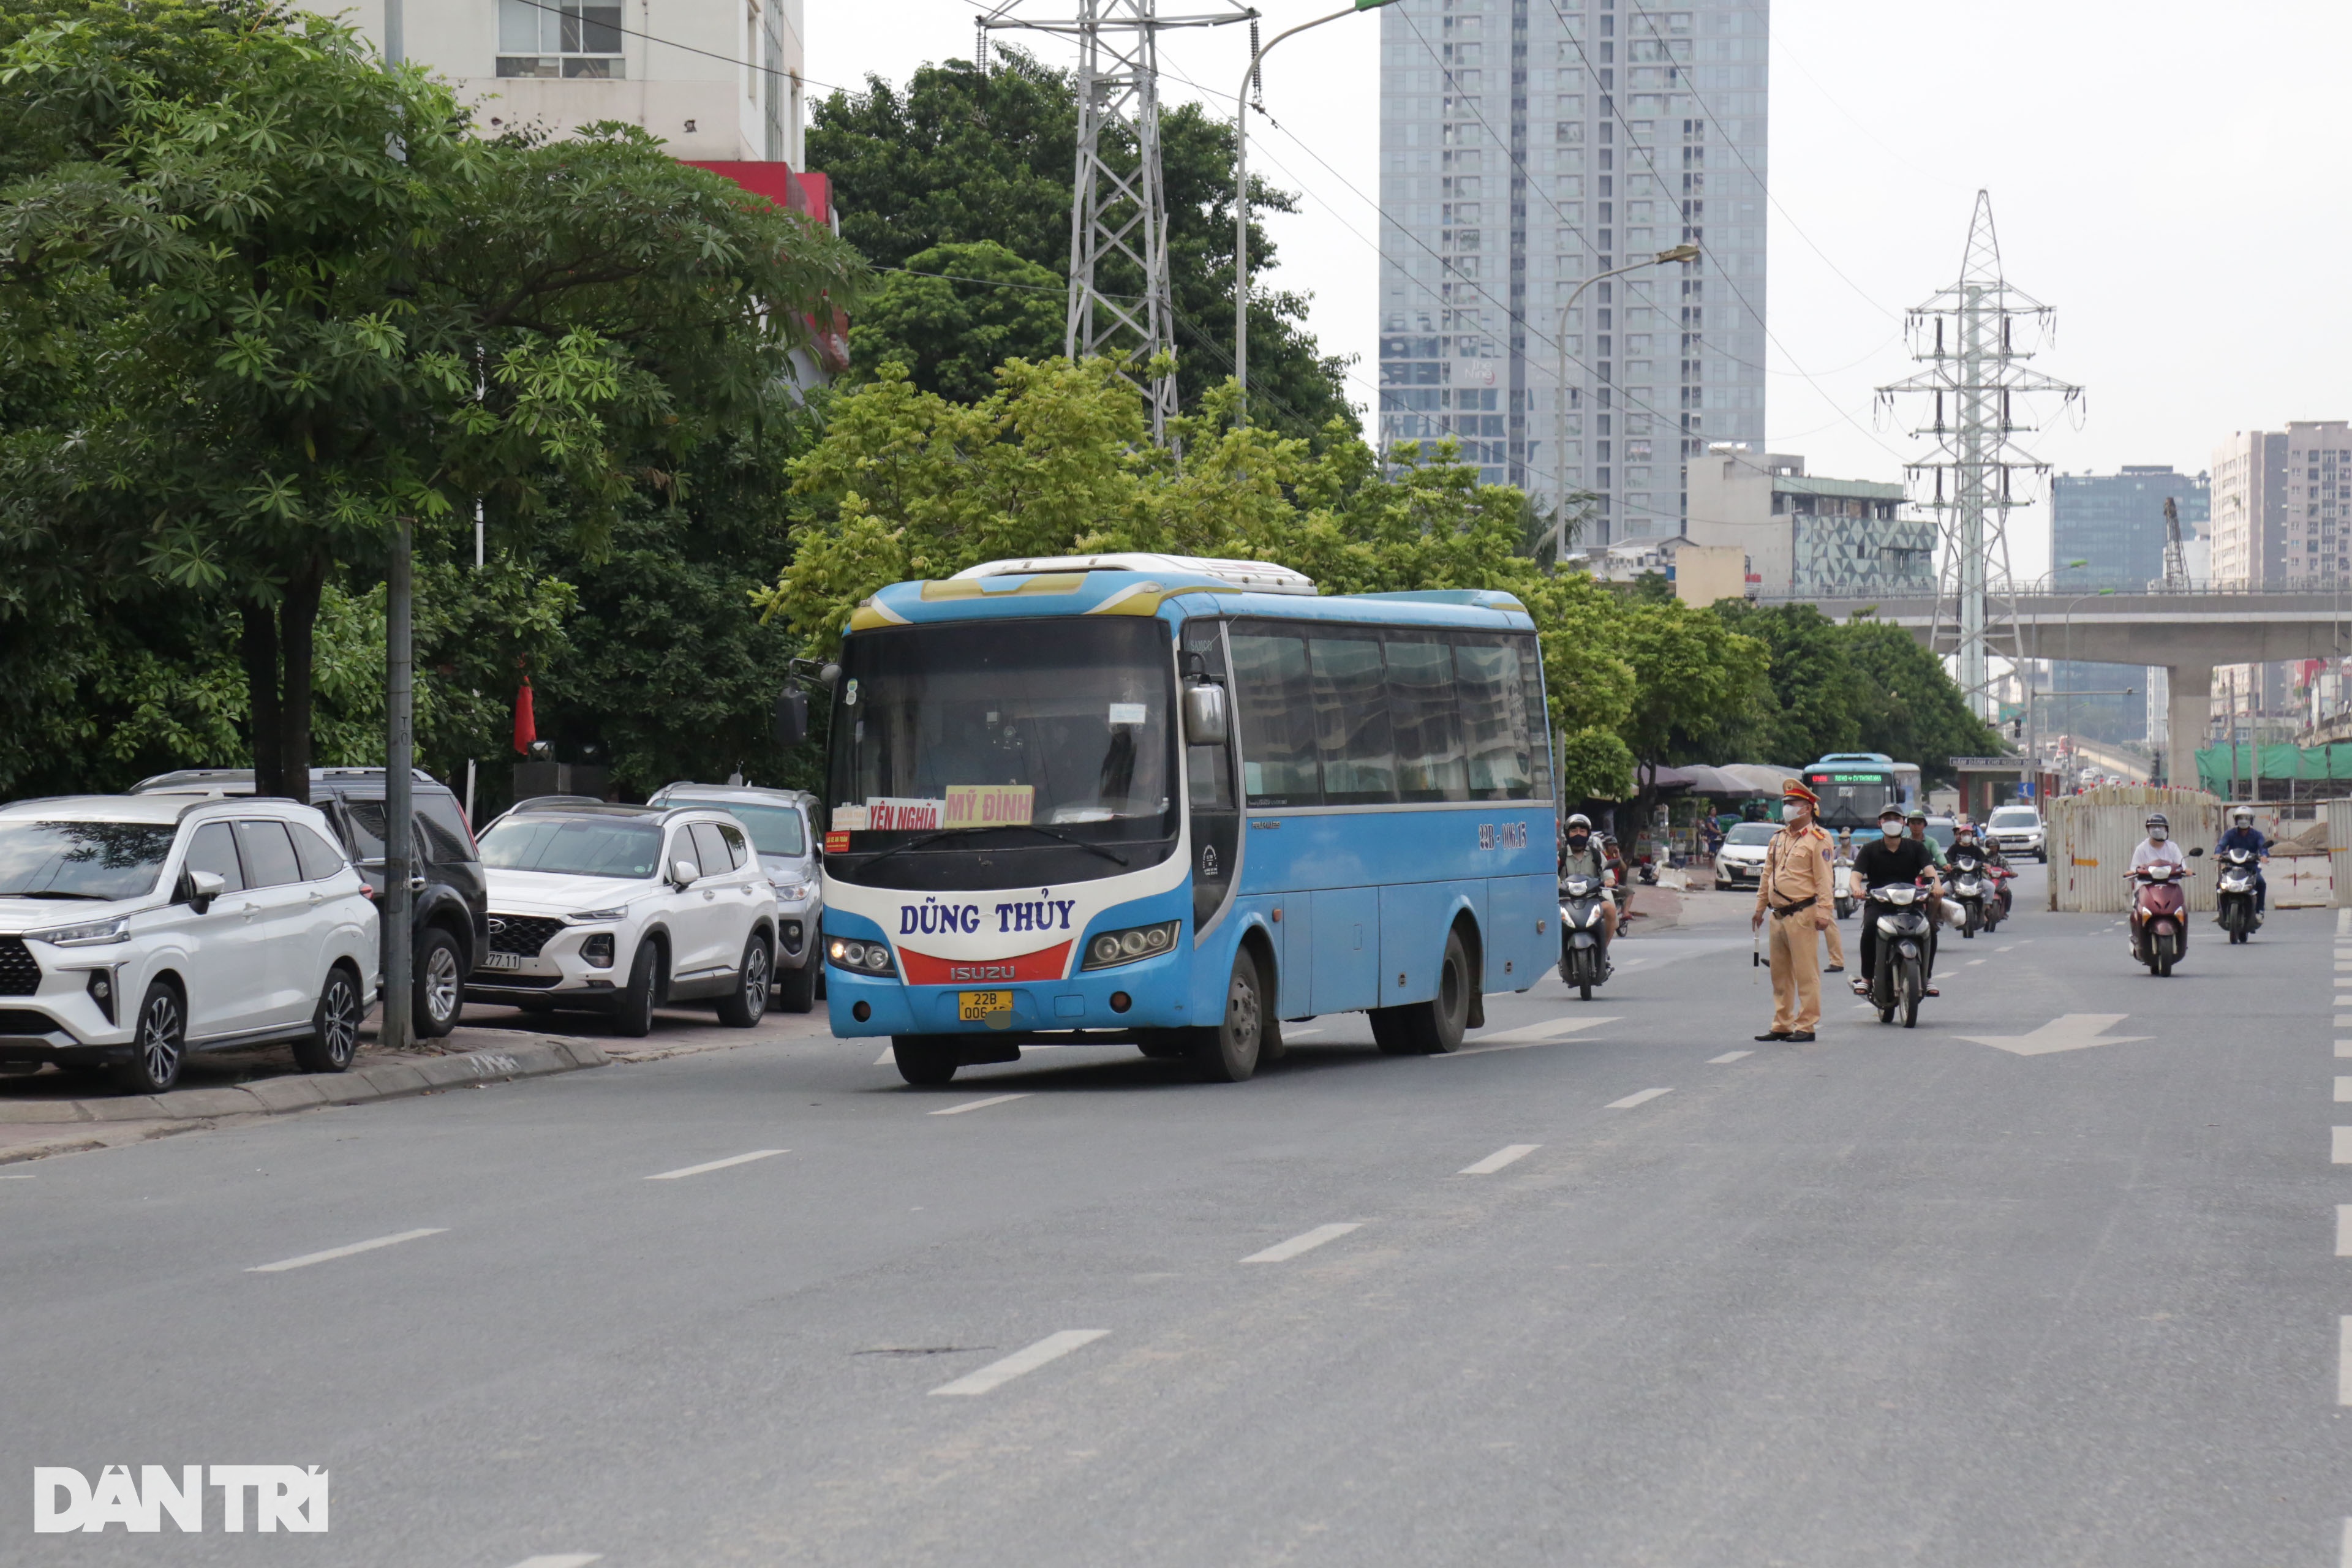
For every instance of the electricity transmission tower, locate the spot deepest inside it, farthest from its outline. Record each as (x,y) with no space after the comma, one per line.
(1966,334)
(1121,305)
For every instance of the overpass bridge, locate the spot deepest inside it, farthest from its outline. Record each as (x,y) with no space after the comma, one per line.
(2187,632)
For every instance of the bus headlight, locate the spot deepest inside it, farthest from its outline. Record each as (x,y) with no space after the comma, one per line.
(863,957)
(1110,949)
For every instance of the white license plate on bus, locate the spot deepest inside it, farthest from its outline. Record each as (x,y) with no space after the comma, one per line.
(501,961)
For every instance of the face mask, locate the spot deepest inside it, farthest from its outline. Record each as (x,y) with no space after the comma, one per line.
(1892,829)
(1579,840)
(2155,836)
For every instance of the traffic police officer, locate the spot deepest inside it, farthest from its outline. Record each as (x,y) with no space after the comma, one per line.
(1797,891)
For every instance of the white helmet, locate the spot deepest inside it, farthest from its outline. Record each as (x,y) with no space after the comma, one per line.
(1579,820)
(2242,816)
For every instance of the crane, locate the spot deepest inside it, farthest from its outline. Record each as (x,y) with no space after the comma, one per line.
(2176,563)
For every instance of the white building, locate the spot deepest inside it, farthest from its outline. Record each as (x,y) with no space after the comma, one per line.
(1808,537)
(718,81)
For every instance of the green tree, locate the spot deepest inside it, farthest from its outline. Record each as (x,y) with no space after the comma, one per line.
(312,302)
(955,314)
(1696,680)
(1915,711)
(957,158)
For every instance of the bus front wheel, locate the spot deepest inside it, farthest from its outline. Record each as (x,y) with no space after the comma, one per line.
(1433,1027)
(1229,1052)
(928,1063)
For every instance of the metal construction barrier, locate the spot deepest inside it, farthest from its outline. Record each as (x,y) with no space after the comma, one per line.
(2092,836)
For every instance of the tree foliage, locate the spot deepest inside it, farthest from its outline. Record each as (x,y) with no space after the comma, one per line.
(957,158)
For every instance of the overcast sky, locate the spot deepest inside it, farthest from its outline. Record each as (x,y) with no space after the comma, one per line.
(2159,175)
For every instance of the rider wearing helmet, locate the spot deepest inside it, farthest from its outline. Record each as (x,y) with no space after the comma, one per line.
(2244,835)
(1580,855)
(1964,837)
(2158,846)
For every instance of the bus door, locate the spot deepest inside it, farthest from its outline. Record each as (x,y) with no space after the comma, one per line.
(1209,773)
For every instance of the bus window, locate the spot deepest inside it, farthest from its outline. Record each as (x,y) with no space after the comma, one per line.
(1276,712)
(1422,713)
(1538,719)
(1494,729)
(1351,720)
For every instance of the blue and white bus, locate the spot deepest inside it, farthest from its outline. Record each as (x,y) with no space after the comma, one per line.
(1174,802)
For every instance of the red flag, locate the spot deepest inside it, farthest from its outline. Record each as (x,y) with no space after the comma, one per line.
(526,726)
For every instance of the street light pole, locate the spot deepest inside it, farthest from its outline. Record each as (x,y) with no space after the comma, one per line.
(395,1030)
(1241,199)
(1559,388)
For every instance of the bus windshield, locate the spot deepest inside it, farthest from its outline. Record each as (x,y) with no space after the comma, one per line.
(1056,723)
(1852,797)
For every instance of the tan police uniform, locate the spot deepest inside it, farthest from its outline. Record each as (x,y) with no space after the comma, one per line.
(1798,882)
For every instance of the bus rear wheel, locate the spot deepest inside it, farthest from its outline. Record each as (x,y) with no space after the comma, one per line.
(1228,1053)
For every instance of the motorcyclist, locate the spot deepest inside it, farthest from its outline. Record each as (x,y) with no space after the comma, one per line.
(1964,837)
(1916,819)
(1890,860)
(1620,883)
(2244,835)
(1580,855)
(2158,846)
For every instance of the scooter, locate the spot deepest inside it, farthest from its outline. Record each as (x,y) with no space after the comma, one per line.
(1899,977)
(2159,916)
(1583,933)
(2238,870)
(1844,874)
(1972,890)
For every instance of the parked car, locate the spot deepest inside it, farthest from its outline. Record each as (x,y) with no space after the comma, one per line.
(623,909)
(1740,862)
(783,827)
(134,929)
(448,910)
(2017,830)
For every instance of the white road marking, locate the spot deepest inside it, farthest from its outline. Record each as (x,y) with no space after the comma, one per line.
(1498,1159)
(23,1176)
(1973,962)
(562,1560)
(2343,1089)
(2341,1153)
(2344,1230)
(888,1059)
(2344,1048)
(1536,1033)
(1283,1251)
(1728,1057)
(2005,949)
(2070,1032)
(2343,922)
(718,1164)
(1630,1101)
(1290,1033)
(333,1253)
(2344,1360)
(977,1104)
(2345,1556)
(1053,1347)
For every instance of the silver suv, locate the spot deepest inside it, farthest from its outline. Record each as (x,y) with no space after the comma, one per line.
(783,827)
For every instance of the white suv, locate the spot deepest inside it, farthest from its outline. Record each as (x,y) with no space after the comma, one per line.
(135,928)
(622,908)
(2017,830)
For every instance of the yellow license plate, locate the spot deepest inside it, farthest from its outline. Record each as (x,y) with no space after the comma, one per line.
(974,1006)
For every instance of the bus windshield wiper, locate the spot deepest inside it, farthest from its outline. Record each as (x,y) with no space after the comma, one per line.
(919,841)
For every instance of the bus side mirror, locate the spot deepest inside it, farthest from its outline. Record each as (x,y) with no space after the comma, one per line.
(792,716)
(1205,723)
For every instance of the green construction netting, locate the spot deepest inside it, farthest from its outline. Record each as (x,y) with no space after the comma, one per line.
(2216,766)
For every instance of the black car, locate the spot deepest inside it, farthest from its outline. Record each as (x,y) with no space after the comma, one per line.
(450,913)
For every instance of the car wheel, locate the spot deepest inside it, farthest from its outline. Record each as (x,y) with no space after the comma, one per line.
(334,1036)
(159,1045)
(440,986)
(635,1017)
(1227,1052)
(748,1003)
(923,1062)
(796,988)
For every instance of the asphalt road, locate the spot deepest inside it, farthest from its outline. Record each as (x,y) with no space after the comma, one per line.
(1623,1286)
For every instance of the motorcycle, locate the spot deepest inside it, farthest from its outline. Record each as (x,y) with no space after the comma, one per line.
(1583,934)
(1973,890)
(1899,977)
(1844,871)
(2238,870)
(2159,916)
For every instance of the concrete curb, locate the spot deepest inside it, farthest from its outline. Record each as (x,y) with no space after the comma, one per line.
(302,1091)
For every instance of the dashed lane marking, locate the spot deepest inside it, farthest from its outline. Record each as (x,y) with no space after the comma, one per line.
(2343,1090)
(1973,962)
(717,1165)
(1630,1101)
(996,1374)
(2344,1230)
(562,1560)
(1538,1034)
(2344,1360)
(980,1105)
(1501,1157)
(1283,1251)
(356,1248)
(2342,1152)
(1728,1057)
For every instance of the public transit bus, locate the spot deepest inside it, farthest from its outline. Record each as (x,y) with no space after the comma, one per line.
(1175,802)
(1854,786)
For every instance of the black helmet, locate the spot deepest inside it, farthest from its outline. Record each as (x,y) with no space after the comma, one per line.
(2156,819)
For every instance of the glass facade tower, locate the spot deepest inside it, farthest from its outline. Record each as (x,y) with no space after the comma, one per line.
(1526,146)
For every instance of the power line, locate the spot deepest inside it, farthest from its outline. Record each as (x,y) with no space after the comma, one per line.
(573,11)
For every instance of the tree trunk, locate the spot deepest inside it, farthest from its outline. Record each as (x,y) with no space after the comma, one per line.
(296,617)
(265,725)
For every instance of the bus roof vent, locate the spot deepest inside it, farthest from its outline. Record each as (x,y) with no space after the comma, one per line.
(1253,576)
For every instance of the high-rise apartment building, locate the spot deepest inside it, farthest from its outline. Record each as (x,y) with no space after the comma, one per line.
(718,81)
(2114,524)
(1527,146)
(2282,518)
(2249,503)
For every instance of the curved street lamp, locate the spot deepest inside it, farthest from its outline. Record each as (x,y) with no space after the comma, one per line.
(1559,388)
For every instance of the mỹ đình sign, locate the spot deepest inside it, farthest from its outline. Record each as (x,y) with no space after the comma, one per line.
(991,806)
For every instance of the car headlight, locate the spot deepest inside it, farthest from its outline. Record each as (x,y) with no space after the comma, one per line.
(793,892)
(1112,948)
(96,933)
(598,917)
(863,957)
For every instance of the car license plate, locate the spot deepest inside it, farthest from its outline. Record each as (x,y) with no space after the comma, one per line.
(501,961)
(974,1006)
